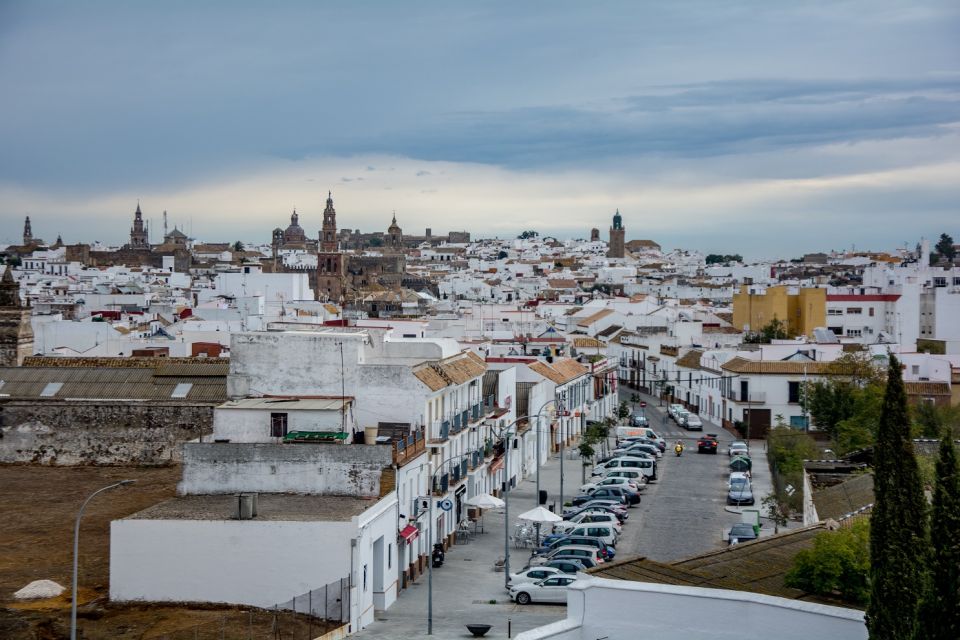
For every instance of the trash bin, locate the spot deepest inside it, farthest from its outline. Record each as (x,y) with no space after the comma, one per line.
(553,507)
(543,496)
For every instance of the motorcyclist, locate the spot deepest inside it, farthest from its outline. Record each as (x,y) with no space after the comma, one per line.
(678,448)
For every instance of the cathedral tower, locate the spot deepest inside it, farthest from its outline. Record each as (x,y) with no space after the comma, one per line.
(27,233)
(329,259)
(615,248)
(138,233)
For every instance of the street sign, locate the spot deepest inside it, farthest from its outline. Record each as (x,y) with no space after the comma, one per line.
(446,505)
(643,405)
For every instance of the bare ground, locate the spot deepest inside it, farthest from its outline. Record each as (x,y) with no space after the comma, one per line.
(38,506)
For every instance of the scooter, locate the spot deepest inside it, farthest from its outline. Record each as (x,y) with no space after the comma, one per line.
(678,449)
(437,557)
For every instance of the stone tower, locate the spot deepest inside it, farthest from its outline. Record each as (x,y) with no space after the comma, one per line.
(594,235)
(16,335)
(615,247)
(328,233)
(394,239)
(27,233)
(138,232)
(275,245)
(329,259)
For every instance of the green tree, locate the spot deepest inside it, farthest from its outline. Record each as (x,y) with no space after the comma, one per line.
(837,565)
(846,403)
(623,410)
(238,246)
(940,617)
(776,329)
(945,248)
(898,522)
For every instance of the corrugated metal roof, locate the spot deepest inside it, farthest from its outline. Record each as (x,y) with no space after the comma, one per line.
(93,383)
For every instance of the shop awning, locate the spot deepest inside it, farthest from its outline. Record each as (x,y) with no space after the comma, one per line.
(409,533)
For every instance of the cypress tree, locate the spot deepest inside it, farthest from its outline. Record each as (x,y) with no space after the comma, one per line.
(941,606)
(898,522)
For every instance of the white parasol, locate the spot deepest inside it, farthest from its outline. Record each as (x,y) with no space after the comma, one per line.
(485,501)
(540,515)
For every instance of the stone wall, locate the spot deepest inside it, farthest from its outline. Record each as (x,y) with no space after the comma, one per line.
(60,432)
(320,469)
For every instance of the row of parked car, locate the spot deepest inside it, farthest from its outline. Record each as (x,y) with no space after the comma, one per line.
(592,522)
(684,418)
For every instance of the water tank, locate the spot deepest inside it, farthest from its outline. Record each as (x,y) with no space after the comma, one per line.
(243,506)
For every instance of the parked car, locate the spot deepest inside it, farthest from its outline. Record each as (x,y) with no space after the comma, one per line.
(707,443)
(639,420)
(566,565)
(739,491)
(652,449)
(741,532)
(673,409)
(587,517)
(618,510)
(735,475)
(579,551)
(692,422)
(557,540)
(631,497)
(603,531)
(646,466)
(612,482)
(631,474)
(553,589)
(738,448)
(680,416)
(586,562)
(532,574)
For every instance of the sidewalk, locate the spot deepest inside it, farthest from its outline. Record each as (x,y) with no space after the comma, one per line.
(466,589)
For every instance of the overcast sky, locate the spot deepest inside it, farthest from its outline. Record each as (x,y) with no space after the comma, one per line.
(763,128)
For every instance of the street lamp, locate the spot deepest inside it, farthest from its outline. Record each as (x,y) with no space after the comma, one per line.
(76,547)
(539,428)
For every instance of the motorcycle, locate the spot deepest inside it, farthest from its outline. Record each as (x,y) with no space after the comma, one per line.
(678,449)
(437,556)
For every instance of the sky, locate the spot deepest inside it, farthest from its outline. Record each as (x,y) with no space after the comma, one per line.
(762,128)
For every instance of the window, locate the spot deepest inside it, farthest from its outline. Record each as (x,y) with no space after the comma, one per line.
(915,369)
(854,311)
(956,282)
(389,555)
(871,311)
(940,282)
(364,577)
(51,389)
(181,390)
(793,392)
(278,425)
(834,312)
(854,333)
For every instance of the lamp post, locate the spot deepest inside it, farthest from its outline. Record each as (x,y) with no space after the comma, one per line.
(76,548)
(539,427)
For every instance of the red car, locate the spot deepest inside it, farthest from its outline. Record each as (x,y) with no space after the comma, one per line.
(708,444)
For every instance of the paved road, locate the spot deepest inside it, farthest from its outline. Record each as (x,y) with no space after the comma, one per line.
(683,514)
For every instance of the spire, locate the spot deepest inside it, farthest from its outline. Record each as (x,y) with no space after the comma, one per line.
(394,223)
(138,212)
(294,217)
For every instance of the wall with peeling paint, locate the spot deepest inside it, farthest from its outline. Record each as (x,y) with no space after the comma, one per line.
(322,469)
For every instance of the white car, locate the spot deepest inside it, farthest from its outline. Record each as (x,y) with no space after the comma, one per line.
(738,448)
(550,590)
(680,416)
(692,422)
(587,517)
(673,409)
(612,482)
(533,574)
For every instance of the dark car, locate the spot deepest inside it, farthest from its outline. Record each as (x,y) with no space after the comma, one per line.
(708,444)
(639,420)
(597,505)
(741,532)
(630,497)
(740,492)
(553,541)
(586,562)
(584,498)
(650,449)
(567,565)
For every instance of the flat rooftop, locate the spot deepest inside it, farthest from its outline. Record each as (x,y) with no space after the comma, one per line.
(270,507)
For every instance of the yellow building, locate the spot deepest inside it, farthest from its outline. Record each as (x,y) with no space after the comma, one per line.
(802,311)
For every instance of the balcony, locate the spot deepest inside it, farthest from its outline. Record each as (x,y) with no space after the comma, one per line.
(457,426)
(441,484)
(476,458)
(441,432)
(757,397)
(476,412)
(408,448)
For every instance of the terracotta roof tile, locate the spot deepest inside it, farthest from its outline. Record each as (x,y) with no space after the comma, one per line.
(927,388)
(599,315)
(691,359)
(781,367)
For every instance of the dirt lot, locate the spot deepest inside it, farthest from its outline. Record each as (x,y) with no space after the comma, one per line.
(38,507)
